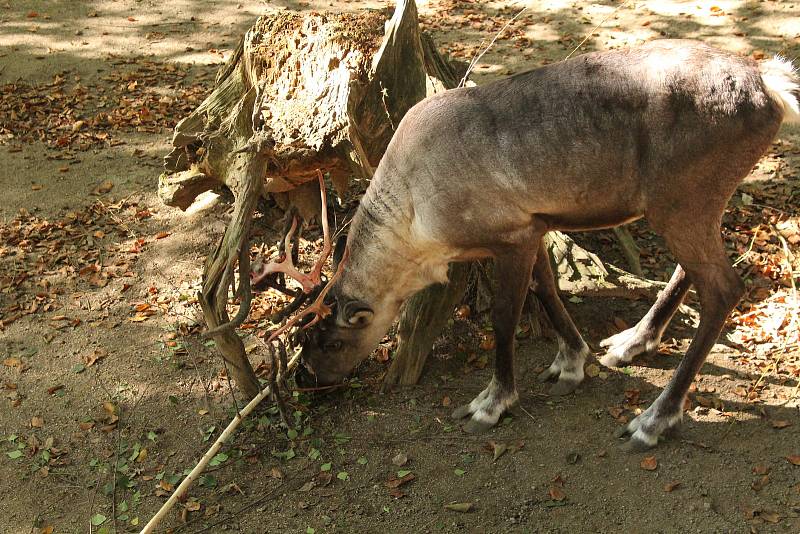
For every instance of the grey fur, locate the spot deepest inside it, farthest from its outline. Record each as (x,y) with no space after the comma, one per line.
(665,131)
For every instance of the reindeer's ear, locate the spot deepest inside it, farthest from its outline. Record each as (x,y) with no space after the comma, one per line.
(338,250)
(357,314)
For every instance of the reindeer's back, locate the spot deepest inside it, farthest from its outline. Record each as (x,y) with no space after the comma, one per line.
(629,125)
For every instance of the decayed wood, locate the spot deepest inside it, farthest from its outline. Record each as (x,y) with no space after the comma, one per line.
(422,321)
(301,93)
(247,169)
(629,248)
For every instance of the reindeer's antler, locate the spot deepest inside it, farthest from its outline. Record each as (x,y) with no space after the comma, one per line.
(316,272)
(286,265)
(318,307)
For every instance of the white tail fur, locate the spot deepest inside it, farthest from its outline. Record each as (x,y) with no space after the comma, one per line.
(781,81)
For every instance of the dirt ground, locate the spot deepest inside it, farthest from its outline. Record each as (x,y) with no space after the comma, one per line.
(109,396)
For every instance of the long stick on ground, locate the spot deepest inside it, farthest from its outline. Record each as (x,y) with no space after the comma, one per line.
(201,465)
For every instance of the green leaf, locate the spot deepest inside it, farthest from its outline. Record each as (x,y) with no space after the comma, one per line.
(314,454)
(459,472)
(14,454)
(291,434)
(12,437)
(135,452)
(135,521)
(208,481)
(123,506)
(342,475)
(78,368)
(310,530)
(361,461)
(402,473)
(98,519)
(218,459)
(325,467)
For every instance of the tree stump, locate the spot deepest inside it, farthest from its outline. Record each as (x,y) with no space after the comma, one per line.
(301,93)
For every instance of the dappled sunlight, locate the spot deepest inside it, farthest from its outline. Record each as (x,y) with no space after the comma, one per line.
(109,392)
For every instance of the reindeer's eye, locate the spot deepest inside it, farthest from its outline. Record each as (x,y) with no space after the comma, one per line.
(332,346)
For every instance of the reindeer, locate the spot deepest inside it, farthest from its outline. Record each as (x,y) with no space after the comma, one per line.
(665,132)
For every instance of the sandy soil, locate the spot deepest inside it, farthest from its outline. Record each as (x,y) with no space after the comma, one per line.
(106,401)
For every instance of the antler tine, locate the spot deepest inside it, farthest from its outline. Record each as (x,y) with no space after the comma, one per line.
(286,265)
(316,272)
(318,307)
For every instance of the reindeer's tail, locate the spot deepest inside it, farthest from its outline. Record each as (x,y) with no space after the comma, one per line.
(783,85)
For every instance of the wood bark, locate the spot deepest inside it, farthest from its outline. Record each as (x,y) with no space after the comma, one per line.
(301,93)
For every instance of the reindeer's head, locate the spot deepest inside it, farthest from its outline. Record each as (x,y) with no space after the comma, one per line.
(336,345)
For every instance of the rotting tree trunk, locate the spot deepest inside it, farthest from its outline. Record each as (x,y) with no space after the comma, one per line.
(422,321)
(301,93)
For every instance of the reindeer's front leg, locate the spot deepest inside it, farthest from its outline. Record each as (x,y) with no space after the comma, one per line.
(513,274)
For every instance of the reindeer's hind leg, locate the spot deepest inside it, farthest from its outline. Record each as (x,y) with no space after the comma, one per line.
(700,251)
(567,368)
(513,269)
(646,335)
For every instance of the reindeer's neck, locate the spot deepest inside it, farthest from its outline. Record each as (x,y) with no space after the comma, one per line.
(386,263)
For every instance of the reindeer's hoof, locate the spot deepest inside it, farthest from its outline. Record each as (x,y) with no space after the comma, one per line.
(564,387)
(475,426)
(461,412)
(622,348)
(568,375)
(548,374)
(634,445)
(485,409)
(647,428)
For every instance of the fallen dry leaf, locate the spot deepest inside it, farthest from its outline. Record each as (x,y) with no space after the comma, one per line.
(462,507)
(393,483)
(649,463)
(52,390)
(94,357)
(556,493)
(770,517)
(400,459)
(760,469)
(109,408)
(759,483)
(780,423)
(498,449)
(671,486)
(793,459)
(37,422)
(104,187)
(592,370)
